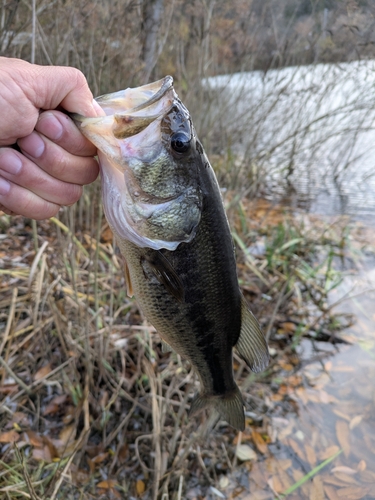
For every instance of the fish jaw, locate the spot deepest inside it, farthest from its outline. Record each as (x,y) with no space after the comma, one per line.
(128,113)
(131,141)
(135,99)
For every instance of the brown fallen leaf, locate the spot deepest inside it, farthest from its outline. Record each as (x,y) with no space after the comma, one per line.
(297,449)
(244,452)
(8,388)
(367,476)
(344,469)
(259,495)
(361,466)
(68,434)
(140,487)
(9,437)
(297,475)
(285,463)
(285,479)
(329,452)
(275,484)
(345,478)
(43,454)
(330,491)
(328,366)
(335,481)
(107,235)
(355,421)
(259,442)
(310,454)
(123,452)
(343,436)
(353,492)
(288,327)
(107,484)
(21,418)
(341,414)
(34,439)
(316,491)
(301,393)
(100,457)
(43,372)
(54,405)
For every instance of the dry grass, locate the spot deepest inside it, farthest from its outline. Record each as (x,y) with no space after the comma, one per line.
(90,406)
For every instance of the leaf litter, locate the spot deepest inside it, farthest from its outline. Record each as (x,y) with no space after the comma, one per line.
(90,407)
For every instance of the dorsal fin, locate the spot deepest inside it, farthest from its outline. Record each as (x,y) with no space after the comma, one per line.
(251,345)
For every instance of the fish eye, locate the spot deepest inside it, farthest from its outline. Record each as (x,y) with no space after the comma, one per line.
(180,142)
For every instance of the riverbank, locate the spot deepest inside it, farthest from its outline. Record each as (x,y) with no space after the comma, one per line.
(92,408)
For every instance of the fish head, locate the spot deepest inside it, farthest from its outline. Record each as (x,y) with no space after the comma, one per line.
(147,150)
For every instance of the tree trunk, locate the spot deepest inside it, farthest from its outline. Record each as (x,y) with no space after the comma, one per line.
(153,11)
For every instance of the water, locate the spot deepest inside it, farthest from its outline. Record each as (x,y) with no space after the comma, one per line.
(333,400)
(310,130)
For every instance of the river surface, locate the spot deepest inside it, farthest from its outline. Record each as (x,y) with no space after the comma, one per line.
(331,432)
(312,126)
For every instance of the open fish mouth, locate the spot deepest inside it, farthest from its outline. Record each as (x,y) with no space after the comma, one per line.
(128,112)
(135,100)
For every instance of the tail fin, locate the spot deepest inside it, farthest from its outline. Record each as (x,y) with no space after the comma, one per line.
(230,407)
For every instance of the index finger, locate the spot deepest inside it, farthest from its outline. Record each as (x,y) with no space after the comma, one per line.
(48,87)
(61,129)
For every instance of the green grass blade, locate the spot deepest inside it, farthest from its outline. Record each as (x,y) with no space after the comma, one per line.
(64,228)
(309,475)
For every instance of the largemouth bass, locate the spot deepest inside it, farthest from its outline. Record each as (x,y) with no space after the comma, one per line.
(163,203)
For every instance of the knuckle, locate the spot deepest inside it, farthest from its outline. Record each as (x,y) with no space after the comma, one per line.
(74,193)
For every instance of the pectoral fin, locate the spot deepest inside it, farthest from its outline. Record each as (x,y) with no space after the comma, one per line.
(129,286)
(251,345)
(165,274)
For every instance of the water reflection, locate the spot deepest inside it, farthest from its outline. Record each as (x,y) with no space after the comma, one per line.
(310,127)
(334,399)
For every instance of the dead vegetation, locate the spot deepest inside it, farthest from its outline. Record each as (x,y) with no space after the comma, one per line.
(91,407)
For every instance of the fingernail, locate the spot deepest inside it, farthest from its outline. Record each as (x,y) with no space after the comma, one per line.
(32,144)
(98,109)
(4,186)
(50,126)
(10,162)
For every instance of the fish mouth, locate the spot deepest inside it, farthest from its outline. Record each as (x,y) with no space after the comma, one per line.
(127,113)
(133,100)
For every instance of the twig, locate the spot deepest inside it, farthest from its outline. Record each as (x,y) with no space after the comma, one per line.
(276,308)
(10,319)
(10,372)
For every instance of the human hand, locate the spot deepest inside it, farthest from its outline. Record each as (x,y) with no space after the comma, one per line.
(55,159)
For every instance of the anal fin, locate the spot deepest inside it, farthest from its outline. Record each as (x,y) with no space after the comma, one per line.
(251,344)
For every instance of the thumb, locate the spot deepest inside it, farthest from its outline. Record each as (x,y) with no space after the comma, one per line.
(55,86)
